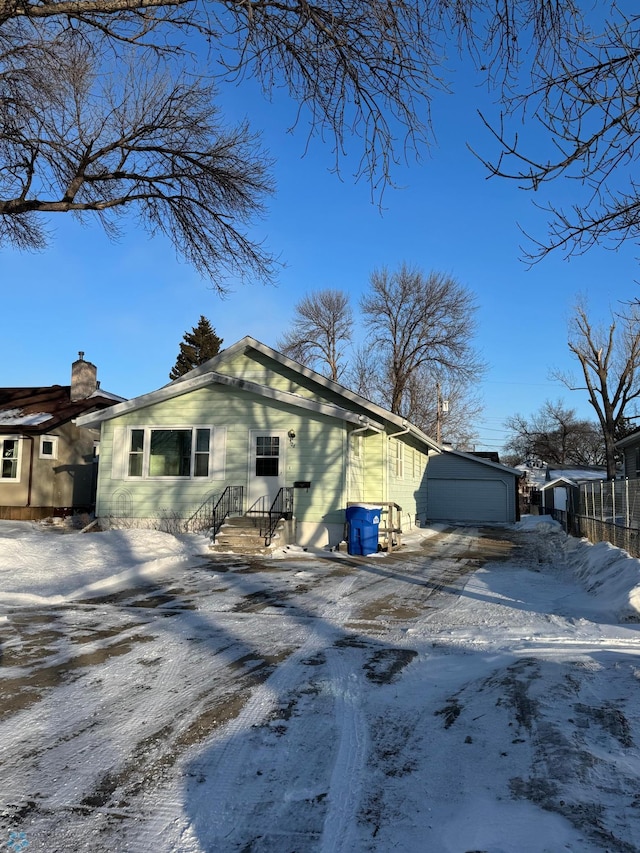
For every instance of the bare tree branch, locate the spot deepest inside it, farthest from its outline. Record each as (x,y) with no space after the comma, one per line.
(426,388)
(554,436)
(321,331)
(147,144)
(362,72)
(584,95)
(419,321)
(610,363)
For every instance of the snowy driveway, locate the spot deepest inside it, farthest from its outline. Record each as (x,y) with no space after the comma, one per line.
(464,695)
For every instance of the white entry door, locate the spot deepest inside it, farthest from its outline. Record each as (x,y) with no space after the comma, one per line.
(266,466)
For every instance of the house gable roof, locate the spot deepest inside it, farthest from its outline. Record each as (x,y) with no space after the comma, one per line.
(247,344)
(203,380)
(208,373)
(353,408)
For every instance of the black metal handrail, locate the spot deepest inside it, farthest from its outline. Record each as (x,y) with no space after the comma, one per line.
(213,511)
(282,507)
(231,500)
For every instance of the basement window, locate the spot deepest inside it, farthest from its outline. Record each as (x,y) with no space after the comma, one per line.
(48,447)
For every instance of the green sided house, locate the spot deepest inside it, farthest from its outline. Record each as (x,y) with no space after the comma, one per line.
(252,432)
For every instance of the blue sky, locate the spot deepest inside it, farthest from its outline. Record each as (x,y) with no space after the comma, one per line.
(127,304)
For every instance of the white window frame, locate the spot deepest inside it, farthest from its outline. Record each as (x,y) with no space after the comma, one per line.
(54,447)
(146,448)
(399,460)
(18,440)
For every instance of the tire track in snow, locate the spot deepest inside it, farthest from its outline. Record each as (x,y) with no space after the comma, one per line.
(233,745)
(346,778)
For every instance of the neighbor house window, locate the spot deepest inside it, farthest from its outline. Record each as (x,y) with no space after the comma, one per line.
(48,447)
(10,450)
(637,455)
(169,452)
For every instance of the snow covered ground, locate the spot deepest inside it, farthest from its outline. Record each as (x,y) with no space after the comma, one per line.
(476,692)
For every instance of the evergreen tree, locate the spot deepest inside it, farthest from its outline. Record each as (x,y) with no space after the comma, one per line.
(198,346)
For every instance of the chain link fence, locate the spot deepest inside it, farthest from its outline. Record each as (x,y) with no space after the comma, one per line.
(604,511)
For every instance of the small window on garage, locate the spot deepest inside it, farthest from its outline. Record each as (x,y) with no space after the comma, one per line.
(48,447)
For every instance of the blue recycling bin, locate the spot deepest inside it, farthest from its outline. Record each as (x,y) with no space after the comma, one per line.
(363,521)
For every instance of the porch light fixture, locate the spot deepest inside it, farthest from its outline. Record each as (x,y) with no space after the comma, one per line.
(291,435)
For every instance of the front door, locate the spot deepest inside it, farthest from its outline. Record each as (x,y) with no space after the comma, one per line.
(266,467)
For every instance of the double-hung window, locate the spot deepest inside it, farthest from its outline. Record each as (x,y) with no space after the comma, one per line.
(398,460)
(10,457)
(169,452)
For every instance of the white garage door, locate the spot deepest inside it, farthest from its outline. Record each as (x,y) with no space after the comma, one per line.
(468,500)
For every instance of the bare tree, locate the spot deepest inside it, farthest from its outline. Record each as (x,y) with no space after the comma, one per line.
(555,436)
(363,375)
(358,69)
(86,128)
(321,330)
(610,362)
(144,144)
(419,322)
(579,118)
(368,375)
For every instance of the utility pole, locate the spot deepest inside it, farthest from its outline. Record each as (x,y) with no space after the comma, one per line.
(442,406)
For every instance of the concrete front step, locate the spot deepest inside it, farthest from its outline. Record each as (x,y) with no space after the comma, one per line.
(241,535)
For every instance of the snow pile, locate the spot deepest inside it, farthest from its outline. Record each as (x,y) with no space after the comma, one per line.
(609,573)
(603,570)
(39,566)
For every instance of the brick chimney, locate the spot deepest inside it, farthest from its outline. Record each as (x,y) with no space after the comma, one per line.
(83,378)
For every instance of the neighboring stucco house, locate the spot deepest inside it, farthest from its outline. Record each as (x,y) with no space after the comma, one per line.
(48,463)
(250,417)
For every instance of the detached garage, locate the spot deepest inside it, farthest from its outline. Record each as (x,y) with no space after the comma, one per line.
(461,487)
